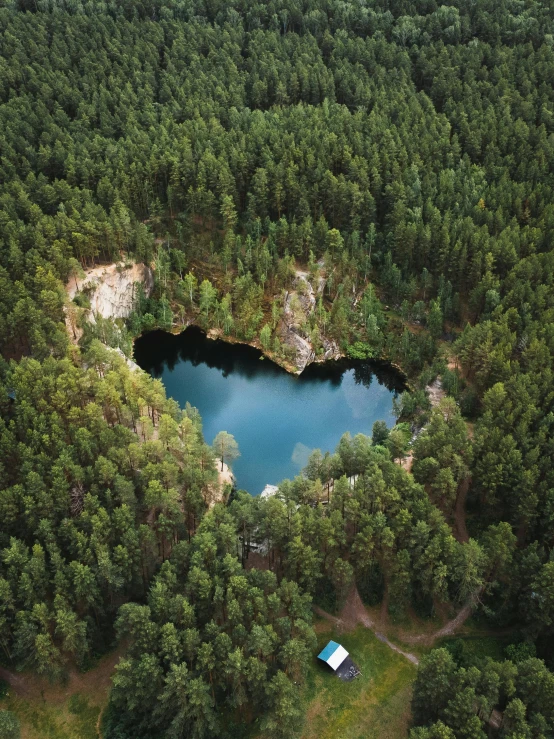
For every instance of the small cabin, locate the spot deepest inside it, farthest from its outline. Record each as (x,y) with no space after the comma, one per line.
(333,655)
(339,661)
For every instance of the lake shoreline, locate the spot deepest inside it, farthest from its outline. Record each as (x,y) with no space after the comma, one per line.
(277,418)
(115,299)
(341,359)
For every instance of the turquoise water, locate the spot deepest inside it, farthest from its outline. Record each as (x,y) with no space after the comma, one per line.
(276,418)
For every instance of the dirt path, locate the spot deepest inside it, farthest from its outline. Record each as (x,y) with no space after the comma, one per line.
(354,613)
(95,681)
(17,682)
(460,511)
(452,626)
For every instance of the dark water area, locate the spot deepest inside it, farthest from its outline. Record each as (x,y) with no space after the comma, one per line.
(277,418)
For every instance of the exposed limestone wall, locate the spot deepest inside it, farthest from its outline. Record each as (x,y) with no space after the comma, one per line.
(111,288)
(300,302)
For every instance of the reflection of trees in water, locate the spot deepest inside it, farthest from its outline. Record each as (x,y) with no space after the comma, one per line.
(159,349)
(386,375)
(327,372)
(155,350)
(364,372)
(363,375)
(238,359)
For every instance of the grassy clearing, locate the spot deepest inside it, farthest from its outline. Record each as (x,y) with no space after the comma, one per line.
(69,710)
(376,705)
(75,718)
(401,629)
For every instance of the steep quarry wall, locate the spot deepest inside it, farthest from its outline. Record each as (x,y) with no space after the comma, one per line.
(111,288)
(300,302)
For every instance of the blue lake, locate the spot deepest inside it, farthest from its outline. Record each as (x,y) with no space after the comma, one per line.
(276,418)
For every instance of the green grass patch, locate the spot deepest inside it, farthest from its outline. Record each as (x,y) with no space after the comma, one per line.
(375,705)
(40,719)
(84,715)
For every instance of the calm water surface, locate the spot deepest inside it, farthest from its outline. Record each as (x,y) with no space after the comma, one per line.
(276,418)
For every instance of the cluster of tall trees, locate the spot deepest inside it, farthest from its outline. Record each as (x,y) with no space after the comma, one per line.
(213,642)
(453,699)
(100,477)
(401,155)
(380,530)
(280,124)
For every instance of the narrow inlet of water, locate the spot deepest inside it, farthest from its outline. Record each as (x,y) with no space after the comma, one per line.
(277,418)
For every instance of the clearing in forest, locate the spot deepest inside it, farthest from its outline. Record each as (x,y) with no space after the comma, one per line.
(375,705)
(69,710)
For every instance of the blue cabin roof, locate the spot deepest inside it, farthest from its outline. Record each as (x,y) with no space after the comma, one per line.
(330,649)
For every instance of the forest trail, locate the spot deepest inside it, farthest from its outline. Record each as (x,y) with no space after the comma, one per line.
(95,682)
(17,682)
(354,613)
(452,626)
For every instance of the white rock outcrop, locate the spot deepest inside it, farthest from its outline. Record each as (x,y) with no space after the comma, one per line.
(300,302)
(111,289)
(269,491)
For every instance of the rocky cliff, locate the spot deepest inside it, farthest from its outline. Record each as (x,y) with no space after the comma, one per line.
(111,289)
(300,302)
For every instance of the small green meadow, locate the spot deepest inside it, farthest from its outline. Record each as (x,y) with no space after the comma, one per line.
(376,704)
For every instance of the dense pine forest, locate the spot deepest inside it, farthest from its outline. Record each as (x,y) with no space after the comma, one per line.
(401,155)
